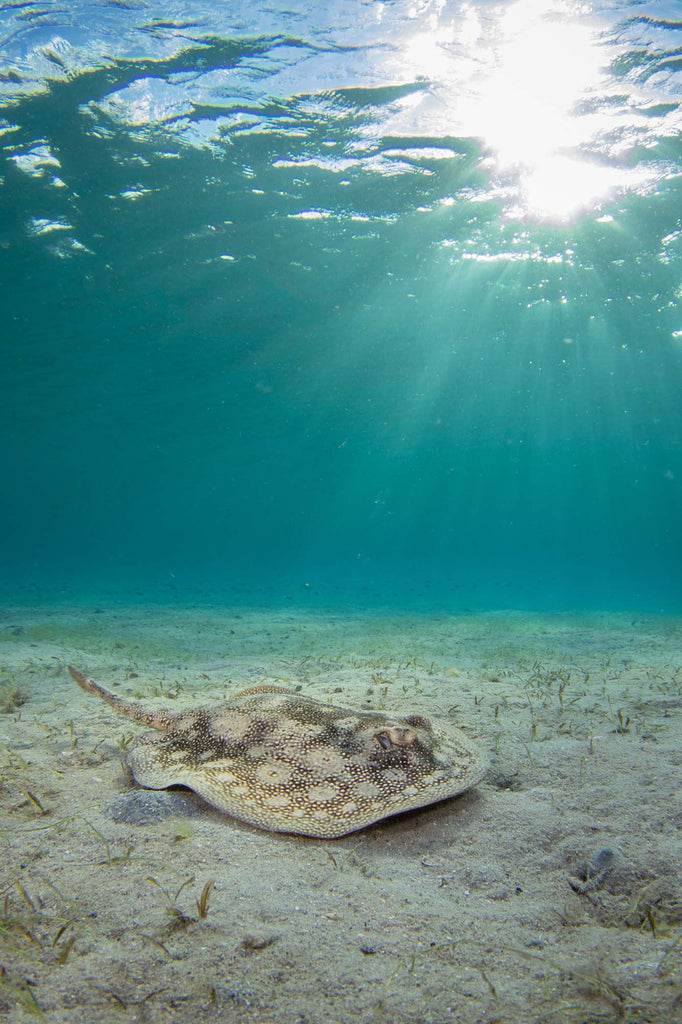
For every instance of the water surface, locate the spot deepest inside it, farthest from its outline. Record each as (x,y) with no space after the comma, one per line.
(369,302)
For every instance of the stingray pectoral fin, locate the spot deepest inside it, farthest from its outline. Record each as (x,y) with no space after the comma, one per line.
(152,767)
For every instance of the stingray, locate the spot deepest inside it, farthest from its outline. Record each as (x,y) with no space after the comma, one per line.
(289,763)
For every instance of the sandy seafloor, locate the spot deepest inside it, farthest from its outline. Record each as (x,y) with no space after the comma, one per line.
(549,893)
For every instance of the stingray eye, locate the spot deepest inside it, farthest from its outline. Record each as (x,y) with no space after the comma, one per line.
(418,721)
(396,736)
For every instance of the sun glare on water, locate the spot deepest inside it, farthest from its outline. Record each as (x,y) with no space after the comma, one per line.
(524,81)
(543,66)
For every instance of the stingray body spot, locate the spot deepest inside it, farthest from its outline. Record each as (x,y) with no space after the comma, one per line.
(206,755)
(257,751)
(323,759)
(277,800)
(182,756)
(368,790)
(322,793)
(183,723)
(273,773)
(305,731)
(409,791)
(348,722)
(229,726)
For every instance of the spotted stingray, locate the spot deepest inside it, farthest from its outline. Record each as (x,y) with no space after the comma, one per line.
(289,763)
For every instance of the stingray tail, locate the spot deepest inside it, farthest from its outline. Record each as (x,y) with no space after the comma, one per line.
(155,720)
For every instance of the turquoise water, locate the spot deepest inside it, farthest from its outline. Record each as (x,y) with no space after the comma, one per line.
(377,304)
